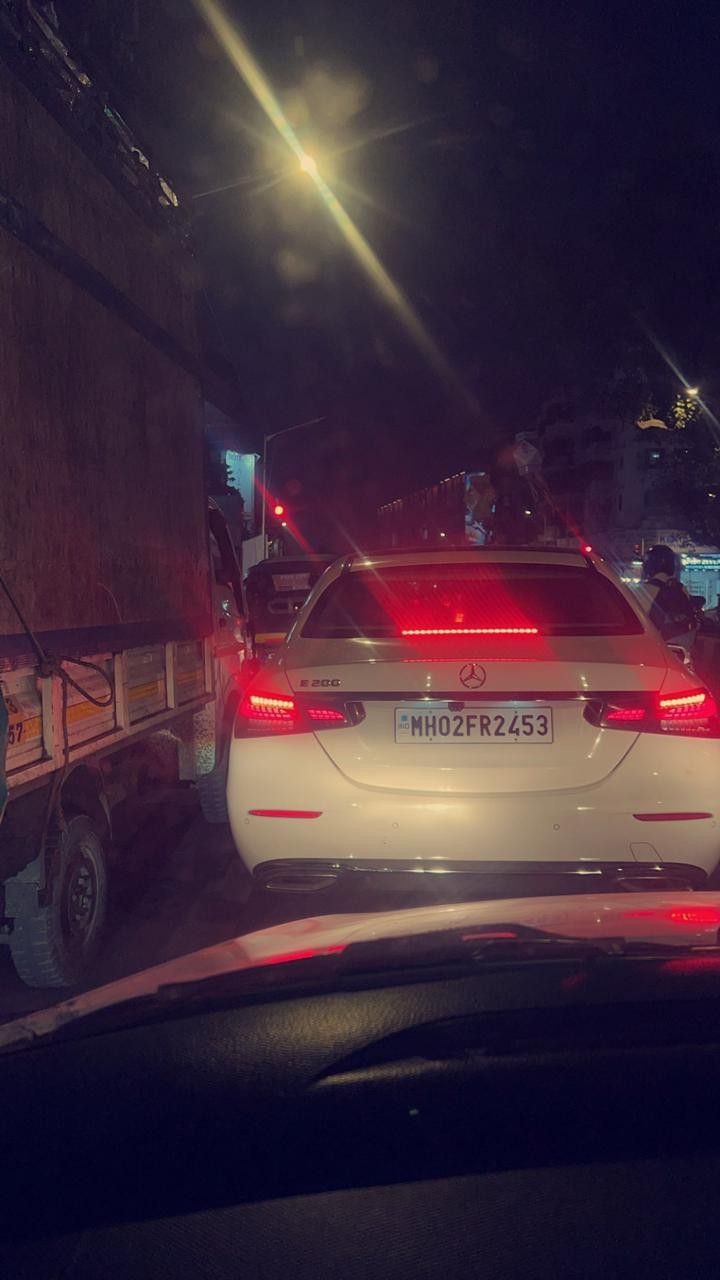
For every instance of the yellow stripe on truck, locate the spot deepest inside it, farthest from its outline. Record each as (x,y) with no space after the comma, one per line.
(145,690)
(81,711)
(30,725)
(29,731)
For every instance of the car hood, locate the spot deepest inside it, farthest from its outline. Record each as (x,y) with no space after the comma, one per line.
(689,919)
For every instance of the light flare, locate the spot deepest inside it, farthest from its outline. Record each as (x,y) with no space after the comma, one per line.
(257,82)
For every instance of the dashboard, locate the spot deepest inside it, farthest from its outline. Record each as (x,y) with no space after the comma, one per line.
(553,1119)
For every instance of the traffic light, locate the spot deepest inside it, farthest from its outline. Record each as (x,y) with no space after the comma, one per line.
(279,510)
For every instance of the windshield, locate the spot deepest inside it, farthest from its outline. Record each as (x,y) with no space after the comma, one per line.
(359,366)
(466,599)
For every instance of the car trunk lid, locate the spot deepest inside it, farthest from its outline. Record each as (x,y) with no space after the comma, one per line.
(529,731)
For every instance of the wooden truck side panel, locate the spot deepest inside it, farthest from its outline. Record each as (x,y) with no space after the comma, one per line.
(103,521)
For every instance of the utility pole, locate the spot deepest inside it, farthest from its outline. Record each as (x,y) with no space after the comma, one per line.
(267,439)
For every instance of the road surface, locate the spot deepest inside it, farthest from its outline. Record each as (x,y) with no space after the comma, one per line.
(179,885)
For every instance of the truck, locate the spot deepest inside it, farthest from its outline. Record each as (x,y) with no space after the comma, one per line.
(121,608)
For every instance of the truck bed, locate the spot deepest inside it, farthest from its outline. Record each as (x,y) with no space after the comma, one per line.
(142,687)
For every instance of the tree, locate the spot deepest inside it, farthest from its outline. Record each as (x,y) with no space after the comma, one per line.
(689,477)
(218,476)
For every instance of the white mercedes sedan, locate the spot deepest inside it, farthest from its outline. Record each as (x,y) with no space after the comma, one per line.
(504,716)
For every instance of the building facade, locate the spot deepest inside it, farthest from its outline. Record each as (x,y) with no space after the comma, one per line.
(604,472)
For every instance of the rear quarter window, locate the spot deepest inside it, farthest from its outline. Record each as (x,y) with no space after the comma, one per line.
(462,599)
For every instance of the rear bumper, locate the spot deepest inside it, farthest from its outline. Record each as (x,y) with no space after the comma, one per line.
(491,879)
(584,828)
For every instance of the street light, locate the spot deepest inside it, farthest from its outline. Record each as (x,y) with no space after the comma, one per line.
(273,435)
(308,165)
(693,392)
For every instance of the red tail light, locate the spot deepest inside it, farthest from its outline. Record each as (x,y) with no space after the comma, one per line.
(687,705)
(326,715)
(265,714)
(692,715)
(625,715)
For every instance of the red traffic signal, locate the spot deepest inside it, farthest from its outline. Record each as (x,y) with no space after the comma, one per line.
(278,510)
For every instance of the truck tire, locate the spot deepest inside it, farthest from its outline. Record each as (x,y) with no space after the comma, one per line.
(53,945)
(211,789)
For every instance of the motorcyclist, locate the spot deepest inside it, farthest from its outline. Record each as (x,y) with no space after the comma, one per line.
(665,599)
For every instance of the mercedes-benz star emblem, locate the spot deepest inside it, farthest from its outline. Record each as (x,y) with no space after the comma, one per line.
(472,675)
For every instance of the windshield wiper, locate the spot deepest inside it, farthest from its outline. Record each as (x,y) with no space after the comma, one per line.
(455,952)
(499,944)
(460,949)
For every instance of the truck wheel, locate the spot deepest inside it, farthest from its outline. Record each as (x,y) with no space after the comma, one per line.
(53,945)
(211,789)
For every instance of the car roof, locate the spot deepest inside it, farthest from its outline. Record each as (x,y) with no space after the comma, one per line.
(469,555)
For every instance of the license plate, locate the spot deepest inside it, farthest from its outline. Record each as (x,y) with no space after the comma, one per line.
(484,725)
(291,581)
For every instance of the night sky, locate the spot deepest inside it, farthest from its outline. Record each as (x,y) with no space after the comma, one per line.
(541,180)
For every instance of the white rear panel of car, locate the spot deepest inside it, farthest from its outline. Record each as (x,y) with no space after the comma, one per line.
(518,727)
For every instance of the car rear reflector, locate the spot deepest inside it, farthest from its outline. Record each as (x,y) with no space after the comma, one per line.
(671,817)
(285,813)
(310,953)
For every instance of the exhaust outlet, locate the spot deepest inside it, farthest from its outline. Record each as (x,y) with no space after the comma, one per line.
(300,884)
(663,884)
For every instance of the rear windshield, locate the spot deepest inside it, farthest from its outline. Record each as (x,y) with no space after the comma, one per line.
(471,599)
